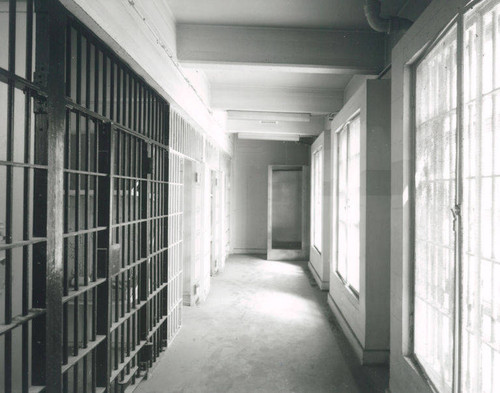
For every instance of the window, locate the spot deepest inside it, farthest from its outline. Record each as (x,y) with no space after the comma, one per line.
(481,202)
(434,196)
(465,178)
(317,199)
(348,203)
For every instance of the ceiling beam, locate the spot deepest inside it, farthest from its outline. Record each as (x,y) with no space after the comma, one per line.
(269,137)
(314,101)
(305,50)
(314,127)
(269,116)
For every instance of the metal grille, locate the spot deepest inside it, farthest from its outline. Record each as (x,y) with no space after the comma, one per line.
(120,270)
(23,176)
(435,177)
(481,207)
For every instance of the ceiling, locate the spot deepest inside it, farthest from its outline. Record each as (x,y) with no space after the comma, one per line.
(279,56)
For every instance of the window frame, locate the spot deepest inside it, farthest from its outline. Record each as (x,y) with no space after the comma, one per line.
(412,192)
(457,21)
(317,193)
(345,128)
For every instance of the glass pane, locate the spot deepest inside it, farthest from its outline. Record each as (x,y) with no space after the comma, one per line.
(287,209)
(353,203)
(481,206)
(317,182)
(435,178)
(4,34)
(342,205)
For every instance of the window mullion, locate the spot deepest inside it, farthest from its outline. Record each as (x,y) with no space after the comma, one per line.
(479,131)
(457,350)
(347,201)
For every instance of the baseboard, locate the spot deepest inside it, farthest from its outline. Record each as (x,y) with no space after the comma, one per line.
(323,285)
(365,356)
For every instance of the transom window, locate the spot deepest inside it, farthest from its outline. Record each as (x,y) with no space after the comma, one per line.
(348,203)
(457,244)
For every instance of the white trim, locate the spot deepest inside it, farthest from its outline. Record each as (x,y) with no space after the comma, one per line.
(323,285)
(365,356)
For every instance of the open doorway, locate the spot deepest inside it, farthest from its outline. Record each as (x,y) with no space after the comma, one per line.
(287,213)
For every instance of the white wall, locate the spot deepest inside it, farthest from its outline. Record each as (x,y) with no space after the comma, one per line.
(404,377)
(249,188)
(365,320)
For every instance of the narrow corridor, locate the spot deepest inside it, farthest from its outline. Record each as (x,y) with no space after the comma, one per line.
(265,327)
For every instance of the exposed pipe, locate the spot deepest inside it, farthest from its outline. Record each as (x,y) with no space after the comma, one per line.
(383,25)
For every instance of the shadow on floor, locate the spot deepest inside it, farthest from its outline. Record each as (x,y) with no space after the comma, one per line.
(370,379)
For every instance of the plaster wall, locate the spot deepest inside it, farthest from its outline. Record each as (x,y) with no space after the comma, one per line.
(365,318)
(249,188)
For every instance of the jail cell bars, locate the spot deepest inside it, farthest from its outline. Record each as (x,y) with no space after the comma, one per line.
(175,257)
(184,138)
(117,280)
(23,175)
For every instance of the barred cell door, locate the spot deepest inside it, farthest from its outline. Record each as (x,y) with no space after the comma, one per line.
(90,222)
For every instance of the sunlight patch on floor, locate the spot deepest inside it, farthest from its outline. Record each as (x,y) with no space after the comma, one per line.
(282,268)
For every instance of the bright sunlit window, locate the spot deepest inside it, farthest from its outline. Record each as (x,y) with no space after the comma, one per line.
(477,212)
(481,201)
(348,203)
(317,198)
(434,196)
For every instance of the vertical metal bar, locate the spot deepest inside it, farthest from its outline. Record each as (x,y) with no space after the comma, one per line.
(111,89)
(29,39)
(104,84)
(106,157)
(96,80)
(67,179)
(9,197)
(145,214)
(54,57)
(457,348)
(87,73)
(139,112)
(27,216)
(119,97)
(130,97)
(78,67)
(40,190)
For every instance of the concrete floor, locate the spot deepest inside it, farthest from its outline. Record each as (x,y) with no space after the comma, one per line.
(265,328)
